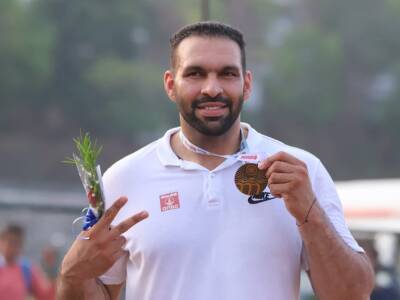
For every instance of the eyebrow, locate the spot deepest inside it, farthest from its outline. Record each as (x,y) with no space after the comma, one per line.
(193,68)
(200,68)
(231,68)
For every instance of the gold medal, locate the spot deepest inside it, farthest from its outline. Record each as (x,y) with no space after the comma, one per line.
(250,180)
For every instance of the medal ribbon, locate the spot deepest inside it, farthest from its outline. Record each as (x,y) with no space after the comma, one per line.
(241,155)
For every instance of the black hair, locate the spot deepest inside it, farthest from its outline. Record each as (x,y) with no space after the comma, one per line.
(208,29)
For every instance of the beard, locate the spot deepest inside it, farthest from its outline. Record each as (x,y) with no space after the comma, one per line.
(210,126)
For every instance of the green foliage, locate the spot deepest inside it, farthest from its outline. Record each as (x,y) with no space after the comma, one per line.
(391,108)
(86,163)
(331,81)
(25,55)
(98,65)
(130,92)
(88,153)
(305,77)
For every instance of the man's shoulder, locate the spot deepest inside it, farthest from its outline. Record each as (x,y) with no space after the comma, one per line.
(144,155)
(274,146)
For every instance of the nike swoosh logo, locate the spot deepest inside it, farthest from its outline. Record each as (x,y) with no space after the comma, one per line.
(264,196)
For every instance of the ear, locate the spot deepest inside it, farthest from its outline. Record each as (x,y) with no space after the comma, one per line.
(248,85)
(169,83)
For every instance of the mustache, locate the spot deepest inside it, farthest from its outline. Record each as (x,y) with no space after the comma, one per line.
(206,99)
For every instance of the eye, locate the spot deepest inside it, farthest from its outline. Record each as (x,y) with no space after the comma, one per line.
(194,74)
(229,74)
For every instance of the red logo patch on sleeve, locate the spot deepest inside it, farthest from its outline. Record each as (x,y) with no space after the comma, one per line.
(169,201)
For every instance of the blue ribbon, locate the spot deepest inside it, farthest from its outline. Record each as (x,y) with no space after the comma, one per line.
(90,219)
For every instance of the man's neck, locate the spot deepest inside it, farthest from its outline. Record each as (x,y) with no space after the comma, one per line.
(225,144)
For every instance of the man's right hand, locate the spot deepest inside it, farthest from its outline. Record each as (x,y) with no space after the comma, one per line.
(97,249)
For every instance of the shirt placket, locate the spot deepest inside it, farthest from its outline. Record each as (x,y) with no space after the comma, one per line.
(212,195)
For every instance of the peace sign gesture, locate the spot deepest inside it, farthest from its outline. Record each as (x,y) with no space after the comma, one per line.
(95,250)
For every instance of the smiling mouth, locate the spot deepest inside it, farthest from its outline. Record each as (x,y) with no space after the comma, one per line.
(212,111)
(211,105)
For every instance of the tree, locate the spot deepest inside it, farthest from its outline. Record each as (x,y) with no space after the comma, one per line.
(25,48)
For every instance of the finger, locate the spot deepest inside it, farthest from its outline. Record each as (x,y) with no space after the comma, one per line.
(279,178)
(280,167)
(118,242)
(277,189)
(280,156)
(264,164)
(115,245)
(128,223)
(109,215)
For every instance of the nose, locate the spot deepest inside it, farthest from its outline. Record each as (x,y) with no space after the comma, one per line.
(212,87)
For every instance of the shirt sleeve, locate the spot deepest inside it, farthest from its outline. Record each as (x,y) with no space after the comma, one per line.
(327,196)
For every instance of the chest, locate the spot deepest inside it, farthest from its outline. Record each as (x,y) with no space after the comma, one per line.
(204,213)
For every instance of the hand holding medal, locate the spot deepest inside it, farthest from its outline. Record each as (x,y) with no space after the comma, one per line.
(90,174)
(288,179)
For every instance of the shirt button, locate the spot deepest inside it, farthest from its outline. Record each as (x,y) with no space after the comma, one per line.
(213,201)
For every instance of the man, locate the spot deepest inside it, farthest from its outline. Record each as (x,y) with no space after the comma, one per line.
(18,277)
(204,238)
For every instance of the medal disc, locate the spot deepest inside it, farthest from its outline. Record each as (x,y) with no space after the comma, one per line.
(250,180)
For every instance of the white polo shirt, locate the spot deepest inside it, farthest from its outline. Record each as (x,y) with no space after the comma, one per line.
(204,239)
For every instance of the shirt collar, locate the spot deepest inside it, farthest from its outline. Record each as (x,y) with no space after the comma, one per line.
(164,150)
(168,157)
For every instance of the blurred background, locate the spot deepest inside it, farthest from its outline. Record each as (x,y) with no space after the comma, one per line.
(327,79)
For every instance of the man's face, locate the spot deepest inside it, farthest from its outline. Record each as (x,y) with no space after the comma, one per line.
(10,247)
(208,84)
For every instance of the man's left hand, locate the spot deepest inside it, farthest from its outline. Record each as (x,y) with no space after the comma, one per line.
(288,179)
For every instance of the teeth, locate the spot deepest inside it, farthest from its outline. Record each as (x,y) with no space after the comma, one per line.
(212,107)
